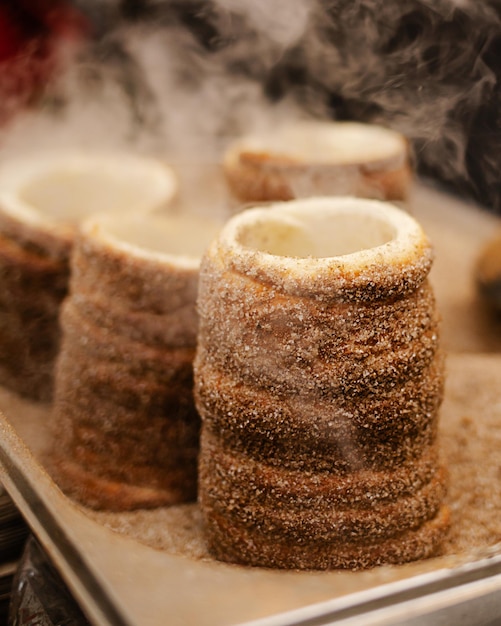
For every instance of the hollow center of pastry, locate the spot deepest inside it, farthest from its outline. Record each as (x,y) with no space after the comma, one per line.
(173,235)
(319,236)
(328,142)
(71,195)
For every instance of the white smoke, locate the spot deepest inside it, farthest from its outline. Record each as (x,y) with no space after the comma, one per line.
(284,21)
(416,65)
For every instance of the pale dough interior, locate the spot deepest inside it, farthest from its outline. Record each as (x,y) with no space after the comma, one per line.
(176,235)
(320,142)
(317,235)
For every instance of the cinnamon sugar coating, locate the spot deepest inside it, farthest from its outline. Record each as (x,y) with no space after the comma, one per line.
(241,544)
(376,431)
(125,425)
(319,382)
(32,286)
(132,285)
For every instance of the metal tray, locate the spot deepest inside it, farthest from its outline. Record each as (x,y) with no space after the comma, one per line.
(121,577)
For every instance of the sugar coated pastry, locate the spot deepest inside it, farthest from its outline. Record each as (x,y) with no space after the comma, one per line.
(124,422)
(313,158)
(43,198)
(319,377)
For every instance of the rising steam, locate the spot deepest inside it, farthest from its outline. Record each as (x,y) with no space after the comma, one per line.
(182,78)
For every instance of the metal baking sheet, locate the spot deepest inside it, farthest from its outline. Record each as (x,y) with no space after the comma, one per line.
(135,571)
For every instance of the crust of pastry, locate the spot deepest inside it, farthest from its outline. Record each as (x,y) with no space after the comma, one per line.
(319,379)
(241,544)
(275,168)
(126,431)
(35,250)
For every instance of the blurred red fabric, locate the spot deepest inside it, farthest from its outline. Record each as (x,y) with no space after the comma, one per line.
(35,35)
